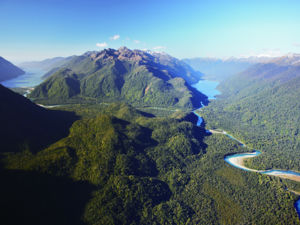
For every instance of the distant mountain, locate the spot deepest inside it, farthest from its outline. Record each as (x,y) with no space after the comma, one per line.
(47,64)
(276,71)
(291,59)
(221,69)
(8,70)
(25,125)
(132,76)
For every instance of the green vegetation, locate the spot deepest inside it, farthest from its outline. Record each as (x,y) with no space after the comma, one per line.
(261,107)
(135,77)
(122,166)
(105,162)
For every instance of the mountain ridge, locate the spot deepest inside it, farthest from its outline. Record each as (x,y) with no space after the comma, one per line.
(8,70)
(221,69)
(46,64)
(133,76)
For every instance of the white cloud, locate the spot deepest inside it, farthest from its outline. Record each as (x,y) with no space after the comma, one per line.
(159,47)
(101,45)
(115,37)
(136,41)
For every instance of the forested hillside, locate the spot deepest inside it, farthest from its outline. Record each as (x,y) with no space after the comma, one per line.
(132,76)
(95,133)
(122,166)
(261,107)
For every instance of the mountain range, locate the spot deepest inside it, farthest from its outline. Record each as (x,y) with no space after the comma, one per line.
(221,69)
(133,76)
(8,70)
(46,64)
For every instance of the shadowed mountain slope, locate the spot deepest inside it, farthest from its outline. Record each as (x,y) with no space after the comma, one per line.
(8,70)
(25,125)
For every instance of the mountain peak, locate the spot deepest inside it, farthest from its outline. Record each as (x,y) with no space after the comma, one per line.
(132,75)
(123,53)
(123,49)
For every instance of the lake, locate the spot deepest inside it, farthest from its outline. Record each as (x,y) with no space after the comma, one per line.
(31,78)
(208,87)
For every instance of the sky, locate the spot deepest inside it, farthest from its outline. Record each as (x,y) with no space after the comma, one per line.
(39,29)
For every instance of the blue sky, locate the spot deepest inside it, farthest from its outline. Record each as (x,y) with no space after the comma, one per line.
(38,29)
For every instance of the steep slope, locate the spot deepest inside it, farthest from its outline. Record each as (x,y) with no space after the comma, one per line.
(26,126)
(177,67)
(132,76)
(261,107)
(8,70)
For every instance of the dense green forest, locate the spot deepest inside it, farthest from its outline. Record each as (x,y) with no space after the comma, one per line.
(118,165)
(261,107)
(131,76)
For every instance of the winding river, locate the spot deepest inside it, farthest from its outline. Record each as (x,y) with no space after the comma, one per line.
(237,160)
